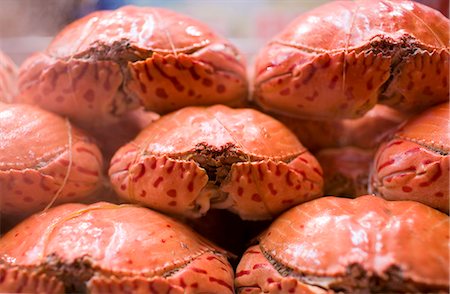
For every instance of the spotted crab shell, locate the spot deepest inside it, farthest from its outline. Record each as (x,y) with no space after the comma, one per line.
(8,78)
(355,245)
(112,61)
(342,58)
(414,165)
(43,156)
(107,248)
(202,157)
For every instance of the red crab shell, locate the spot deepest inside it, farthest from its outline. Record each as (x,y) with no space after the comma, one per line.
(43,156)
(414,165)
(112,61)
(8,78)
(339,60)
(107,248)
(351,245)
(197,157)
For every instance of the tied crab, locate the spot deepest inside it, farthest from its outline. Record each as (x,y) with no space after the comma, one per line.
(414,164)
(43,158)
(107,248)
(202,157)
(340,59)
(110,62)
(360,245)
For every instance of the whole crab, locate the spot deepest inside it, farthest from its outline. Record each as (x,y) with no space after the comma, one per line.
(109,62)
(43,158)
(197,157)
(414,164)
(342,58)
(8,78)
(107,248)
(360,245)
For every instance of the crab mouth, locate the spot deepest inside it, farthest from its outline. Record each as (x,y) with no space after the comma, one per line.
(355,279)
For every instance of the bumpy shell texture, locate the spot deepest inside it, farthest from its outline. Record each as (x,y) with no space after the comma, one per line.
(236,159)
(414,165)
(339,60)
(355,245)
(42,157)
(112,61)
(110,248)
(8,78)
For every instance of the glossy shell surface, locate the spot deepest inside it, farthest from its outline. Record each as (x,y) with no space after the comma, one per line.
(414,165)
(362,244)
(110,248)
(342,58)
(43,156)
(202,157)
(112,61)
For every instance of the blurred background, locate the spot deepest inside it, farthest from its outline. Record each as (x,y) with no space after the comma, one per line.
(27,26)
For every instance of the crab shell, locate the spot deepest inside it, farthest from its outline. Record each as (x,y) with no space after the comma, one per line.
(414,165)
(366,132)
(42,157)
(351,245)
(8,78)
(112,61)
(236,159)
(107,248)
(339,60)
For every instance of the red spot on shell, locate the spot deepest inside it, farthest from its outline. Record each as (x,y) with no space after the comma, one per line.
(28,180)
(287,201)
(161,93)
(285,92)
(256,197)
(182,283)
(385,164)
(272,189)
(194,74)
(172,193)
(317,171)
(28,199)
(333,82)
(242,273)
(406,189)
(163,241)
(199,270)
(369,84)
(427,161)
(157,182)
(394,143)
(220,88)
(439,194)
(123,187)
(270,280)
(89,95)
(207,82)
(302,159)
(433,178)
(153,165)
(87,171)
(288,179)
(259,265)
(191,92)
(221,282)
(240,191)
(278,171)
(64,162)
(172,203)
(412,150)
(194,285)
(191,186)
(311,71)
(143,193)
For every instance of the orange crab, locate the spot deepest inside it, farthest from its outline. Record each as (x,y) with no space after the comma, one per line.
(107,248)
(202,157)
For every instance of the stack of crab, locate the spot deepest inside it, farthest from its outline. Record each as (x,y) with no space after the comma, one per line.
(130,128)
